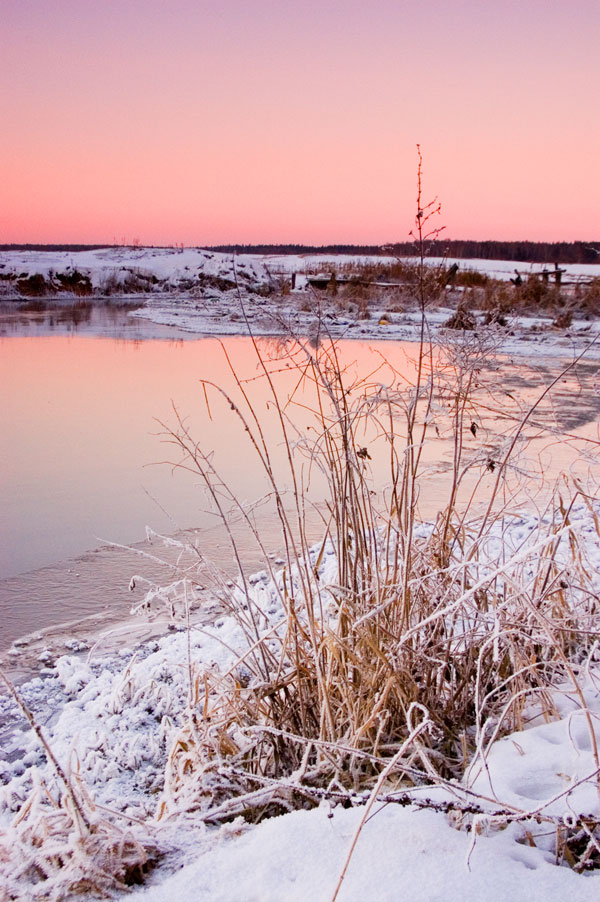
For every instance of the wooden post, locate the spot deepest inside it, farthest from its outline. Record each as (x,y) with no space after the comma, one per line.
(518,279)
(558,275)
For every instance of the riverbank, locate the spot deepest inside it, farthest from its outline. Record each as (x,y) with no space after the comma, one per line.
(123,717)
(199,292)
(521,336)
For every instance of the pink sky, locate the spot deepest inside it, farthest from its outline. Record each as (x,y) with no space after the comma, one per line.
(265,121)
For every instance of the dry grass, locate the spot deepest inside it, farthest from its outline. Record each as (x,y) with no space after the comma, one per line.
(400,285)
(418,622)
(428,641)
(62,844)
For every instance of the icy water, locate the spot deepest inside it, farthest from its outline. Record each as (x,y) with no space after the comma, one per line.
(85,461)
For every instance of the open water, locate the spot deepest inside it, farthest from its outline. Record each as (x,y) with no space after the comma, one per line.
(86,459)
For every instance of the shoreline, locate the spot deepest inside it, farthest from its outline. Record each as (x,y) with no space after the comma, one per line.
(525,336)
(200,292)
(123,714)
(181,316)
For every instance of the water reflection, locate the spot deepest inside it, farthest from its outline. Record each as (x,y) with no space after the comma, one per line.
(83,445)
(43,318)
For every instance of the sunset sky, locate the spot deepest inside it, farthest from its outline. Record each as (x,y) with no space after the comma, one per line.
(266,121)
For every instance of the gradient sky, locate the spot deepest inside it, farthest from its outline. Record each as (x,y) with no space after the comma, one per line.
(266,121)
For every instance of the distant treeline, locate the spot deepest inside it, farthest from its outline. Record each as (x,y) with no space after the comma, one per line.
(524,251)
(521,251)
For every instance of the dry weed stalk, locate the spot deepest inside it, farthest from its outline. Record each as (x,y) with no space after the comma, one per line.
(429,616)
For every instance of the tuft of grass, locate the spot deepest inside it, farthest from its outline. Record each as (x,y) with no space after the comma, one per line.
(471,278)
(415,621)
(462,319)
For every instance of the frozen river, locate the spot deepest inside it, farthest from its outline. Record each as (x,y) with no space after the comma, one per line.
(84,463)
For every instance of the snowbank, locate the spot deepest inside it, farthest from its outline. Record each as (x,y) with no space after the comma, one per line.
(199,291)
(112,722)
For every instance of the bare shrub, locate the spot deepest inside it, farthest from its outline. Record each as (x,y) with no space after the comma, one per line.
(587,297)
(35,286)
(463,319)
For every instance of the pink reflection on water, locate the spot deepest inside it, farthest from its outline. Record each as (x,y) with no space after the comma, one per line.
(81,446)
(80,441)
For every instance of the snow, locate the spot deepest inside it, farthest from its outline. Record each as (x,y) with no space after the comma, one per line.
(524,336)
(401,854)
(199,291)
(505,269)
(114,718)
(169,265)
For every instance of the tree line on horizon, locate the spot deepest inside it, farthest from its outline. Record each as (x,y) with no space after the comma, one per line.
(521,251)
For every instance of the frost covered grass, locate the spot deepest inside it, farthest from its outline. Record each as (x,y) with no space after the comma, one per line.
(458,623)
(390,662)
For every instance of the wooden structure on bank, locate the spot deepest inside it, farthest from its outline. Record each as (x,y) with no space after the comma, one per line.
(544,275)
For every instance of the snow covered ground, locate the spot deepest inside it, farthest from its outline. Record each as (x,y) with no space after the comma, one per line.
(199,291)
(155,269)
(112,721)
(401,854)
(523,335)
(497,269)
(170,266)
